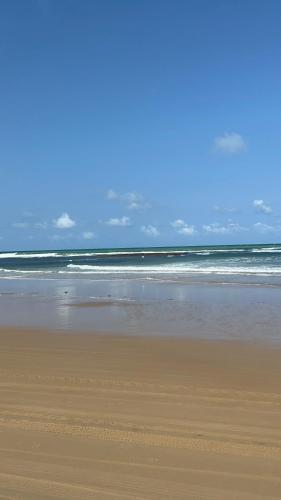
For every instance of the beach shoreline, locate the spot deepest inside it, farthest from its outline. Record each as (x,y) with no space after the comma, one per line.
(139,308)
(88,415)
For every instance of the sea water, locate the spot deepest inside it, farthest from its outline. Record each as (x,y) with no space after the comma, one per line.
(231,292)
(239,263)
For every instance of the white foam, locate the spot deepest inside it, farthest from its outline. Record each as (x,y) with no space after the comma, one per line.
(266,250)
(138,252)
(25,271)
(18,255)
(173,269)
(8,255)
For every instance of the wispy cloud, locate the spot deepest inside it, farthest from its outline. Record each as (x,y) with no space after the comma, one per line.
(261,206)
(64,221)
(21,225)
(260,227)
(230,143)
(30,225)
(88,235)
(62,237)
(132,200)
(224,210)
(122,221)
(112,195)
(150,230)
(182,227)
(228,228)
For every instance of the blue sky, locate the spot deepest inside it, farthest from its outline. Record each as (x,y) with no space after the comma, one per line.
(139,123)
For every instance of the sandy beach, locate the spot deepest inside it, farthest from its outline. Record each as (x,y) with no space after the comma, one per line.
(140,250)
(90,416)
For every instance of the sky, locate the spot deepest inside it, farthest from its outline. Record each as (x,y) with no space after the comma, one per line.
(139,123)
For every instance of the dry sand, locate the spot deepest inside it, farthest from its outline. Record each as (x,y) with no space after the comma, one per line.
(87,416)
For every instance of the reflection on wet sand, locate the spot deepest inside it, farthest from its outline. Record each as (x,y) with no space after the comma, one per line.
(144,308)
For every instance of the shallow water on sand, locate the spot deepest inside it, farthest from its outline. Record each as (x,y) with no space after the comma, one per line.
(136,307)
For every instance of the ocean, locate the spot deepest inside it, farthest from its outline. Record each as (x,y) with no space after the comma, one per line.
(260,264)
(214,292)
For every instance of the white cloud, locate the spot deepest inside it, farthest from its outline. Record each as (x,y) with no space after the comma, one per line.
(88,235)
(187,230)
(260,206)
(64,222)
(111,195)
(150,230)
(228,228)
(177,223)
(135,201)
(40,225)
(132,199)
(182,227)
(134,205)
(266,228)
(123,221)
(230,143)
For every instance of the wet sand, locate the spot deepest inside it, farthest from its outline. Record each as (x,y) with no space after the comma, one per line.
(143,308)
(112,417)
(103,303)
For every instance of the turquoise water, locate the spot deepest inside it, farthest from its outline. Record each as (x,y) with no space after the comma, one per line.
(259,263)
